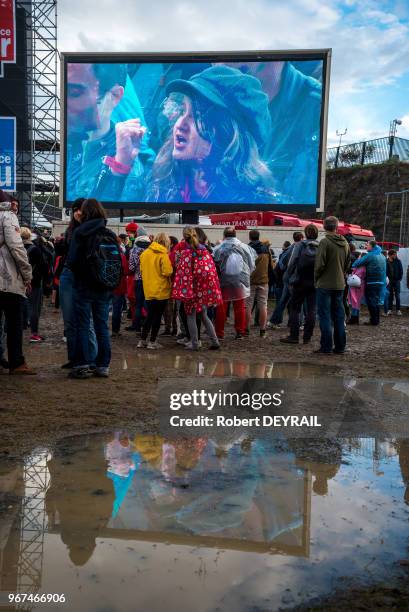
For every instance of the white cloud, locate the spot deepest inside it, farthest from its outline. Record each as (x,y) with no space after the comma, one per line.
(370,45)
(403,130)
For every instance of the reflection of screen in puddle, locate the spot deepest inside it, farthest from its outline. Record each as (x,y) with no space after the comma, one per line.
(242,490)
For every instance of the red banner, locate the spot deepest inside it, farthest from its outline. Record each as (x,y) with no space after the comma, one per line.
(7,34)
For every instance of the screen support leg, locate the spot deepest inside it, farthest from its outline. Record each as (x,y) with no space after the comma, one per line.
(121,215)
(190,217)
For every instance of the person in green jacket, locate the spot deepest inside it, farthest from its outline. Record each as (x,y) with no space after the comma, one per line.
(331,266)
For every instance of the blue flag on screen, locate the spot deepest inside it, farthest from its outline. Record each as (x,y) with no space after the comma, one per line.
(8,153)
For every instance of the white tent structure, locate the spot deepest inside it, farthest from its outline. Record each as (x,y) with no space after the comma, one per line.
(38,219)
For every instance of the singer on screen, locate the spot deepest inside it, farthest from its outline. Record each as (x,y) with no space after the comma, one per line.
(221,121)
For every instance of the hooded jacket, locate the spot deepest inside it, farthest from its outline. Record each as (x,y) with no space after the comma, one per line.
(301,277)
(156,272)
(15,269)
(332,262)
(235,286)
(375,264)
(38,265)
(394,271)
(79,250)
(264,263)
(140,245)
(196,283)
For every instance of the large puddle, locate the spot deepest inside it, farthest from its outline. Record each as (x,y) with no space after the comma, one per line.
(135,522)
(194,364)
(224,366)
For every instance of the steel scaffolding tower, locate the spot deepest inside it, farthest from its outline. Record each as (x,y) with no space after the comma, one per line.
(396,219)
(33,526)
(40,165)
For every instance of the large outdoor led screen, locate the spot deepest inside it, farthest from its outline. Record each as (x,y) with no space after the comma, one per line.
(225,131)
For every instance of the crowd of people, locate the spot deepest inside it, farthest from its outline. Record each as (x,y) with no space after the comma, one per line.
(183,285)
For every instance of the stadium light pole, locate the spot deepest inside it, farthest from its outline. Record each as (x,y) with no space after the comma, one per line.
(393,126)
(341,134)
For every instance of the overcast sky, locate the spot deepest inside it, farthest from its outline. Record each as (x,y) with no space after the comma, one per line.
(369,39)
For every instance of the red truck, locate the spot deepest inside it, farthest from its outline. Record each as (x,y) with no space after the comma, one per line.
(247,220)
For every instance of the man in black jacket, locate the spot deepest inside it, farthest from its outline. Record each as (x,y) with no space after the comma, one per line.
(300,272)
(394,272)
(91,299)
(276,318)
(35,297)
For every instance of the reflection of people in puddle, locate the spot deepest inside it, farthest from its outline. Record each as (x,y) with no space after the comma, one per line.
(119,455)
(181,482)
(322,457)
(173,459)
(241,369)
(403,452)
(122,465)
(235,488)
(162,484)
(80,496)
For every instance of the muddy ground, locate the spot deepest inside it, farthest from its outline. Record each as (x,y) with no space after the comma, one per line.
(39,409)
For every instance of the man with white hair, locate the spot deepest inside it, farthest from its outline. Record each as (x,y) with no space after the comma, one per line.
(235,261)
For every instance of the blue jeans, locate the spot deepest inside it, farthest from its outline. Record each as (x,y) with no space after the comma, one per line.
(394,291)
(386,301)
(118,302)
(67,296)
(140,303)
(33,305)
(278,292)
(89,303)
(331,314)
(373,294)
(277,316)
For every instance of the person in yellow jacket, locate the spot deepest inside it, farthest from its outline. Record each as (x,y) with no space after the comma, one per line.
(156,272)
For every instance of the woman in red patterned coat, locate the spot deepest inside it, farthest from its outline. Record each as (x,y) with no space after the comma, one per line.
(196,284)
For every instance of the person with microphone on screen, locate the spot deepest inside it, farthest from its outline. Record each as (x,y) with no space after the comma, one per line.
(219,121)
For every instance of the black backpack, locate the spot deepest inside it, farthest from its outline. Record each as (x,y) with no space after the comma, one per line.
(47,264)
(48,259)
(306,262)
(104,263)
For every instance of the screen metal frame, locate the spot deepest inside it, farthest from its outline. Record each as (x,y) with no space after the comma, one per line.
(206,57)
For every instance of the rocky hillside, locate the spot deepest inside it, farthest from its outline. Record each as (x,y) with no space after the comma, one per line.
(357,195)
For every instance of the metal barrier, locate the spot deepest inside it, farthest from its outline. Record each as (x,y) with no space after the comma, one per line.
(375,151)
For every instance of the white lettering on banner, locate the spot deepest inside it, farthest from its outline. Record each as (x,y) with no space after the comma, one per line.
(7,34)
(8,153)
(7,181)
(5,43)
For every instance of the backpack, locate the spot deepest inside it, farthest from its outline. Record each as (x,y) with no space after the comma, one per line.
(46,266)
(234,264)
(306,262)
(103,260)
